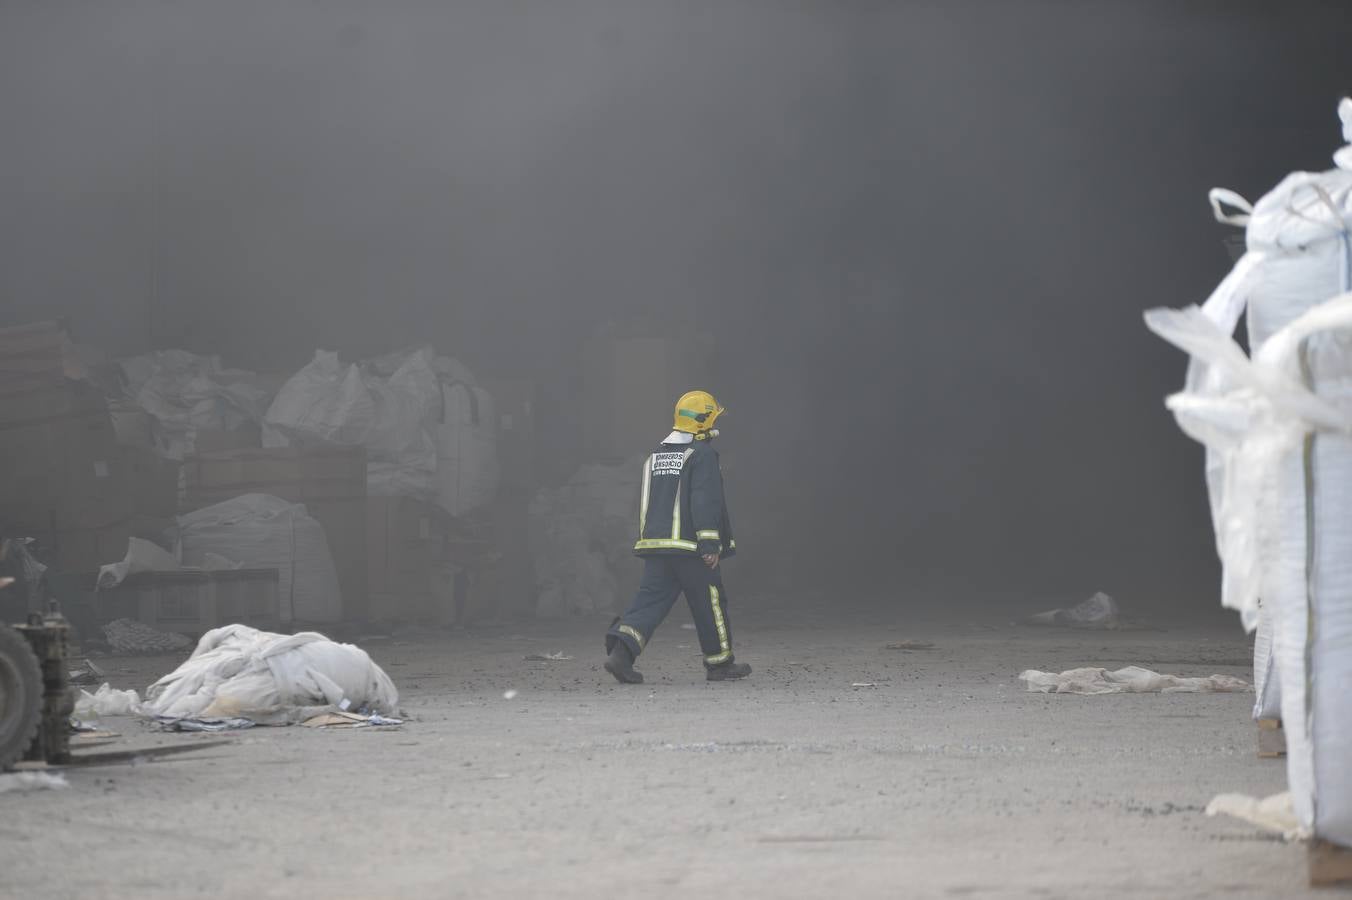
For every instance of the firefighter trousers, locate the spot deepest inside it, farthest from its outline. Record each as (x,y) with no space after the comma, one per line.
(664,579)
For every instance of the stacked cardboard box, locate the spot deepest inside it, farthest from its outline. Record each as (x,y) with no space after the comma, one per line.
(403,545)
(64,479)
(330,482)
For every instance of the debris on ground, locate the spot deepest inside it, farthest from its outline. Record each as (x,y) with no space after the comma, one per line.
(1099,611)
(88,735)
(132,637)
(908,645)
(1131,680)
(1275,813)
(107,701)
(273,679)
(349,720)
(142,556)
(32,781)
(168,723)
(547,657)
(86,673)
(864,684)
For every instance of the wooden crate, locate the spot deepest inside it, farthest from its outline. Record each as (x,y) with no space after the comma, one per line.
(1271,739)
(38,355)
(1330,864)
(194,602)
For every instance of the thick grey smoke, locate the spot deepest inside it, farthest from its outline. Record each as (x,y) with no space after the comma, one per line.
(921,234)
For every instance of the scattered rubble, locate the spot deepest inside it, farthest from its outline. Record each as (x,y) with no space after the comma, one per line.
(132,637)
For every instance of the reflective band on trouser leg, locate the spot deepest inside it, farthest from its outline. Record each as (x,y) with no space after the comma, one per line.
(725,648)
(633,633)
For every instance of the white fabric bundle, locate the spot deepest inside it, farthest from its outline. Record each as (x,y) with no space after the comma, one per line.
(237,671)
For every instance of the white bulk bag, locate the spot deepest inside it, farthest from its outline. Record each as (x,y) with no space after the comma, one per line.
(265,532)
(1286,451)
(467,449)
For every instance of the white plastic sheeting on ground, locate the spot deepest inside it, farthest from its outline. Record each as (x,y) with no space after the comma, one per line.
(240,672)
(428,430)
(184,393)
(107,701)
(1277,429)
(1131,680)
(1275,813)
(265,532)
(582,536)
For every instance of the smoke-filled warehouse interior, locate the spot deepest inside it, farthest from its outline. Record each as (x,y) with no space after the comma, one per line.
(770,448)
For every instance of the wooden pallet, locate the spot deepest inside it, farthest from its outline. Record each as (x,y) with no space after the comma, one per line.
(1330,864)
(1271,739)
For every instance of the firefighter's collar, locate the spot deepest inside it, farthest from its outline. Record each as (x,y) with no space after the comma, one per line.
(679,437)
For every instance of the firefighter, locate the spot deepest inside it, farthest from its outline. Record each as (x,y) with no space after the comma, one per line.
(683,537)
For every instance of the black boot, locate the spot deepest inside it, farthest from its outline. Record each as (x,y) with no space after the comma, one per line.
(728,671)
(620,663)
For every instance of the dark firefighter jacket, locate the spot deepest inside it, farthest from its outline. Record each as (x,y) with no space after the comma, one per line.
(682,510)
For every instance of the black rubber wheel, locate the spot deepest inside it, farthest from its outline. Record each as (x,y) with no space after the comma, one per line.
(20,696)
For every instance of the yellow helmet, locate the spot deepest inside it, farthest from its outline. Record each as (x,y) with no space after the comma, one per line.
(696,413)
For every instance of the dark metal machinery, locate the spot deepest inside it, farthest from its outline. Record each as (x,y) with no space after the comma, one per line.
(35,699)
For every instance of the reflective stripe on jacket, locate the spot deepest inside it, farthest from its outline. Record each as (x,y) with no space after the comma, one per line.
(682,509)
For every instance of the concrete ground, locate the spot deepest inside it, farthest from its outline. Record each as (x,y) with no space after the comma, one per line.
(943,778)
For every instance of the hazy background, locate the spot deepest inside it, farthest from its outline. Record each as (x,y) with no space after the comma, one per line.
(922,235)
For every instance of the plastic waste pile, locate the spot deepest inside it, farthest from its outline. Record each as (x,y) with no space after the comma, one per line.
(1277,425)
(183,393)
(270,679)
(428,429)
(581,535)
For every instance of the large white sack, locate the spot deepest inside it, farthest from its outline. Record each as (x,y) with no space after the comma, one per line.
(183,393)
(1289,474)
(265,532)
(1298,236)
(324,401)
(237,671)
(389,405)
(467,449)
